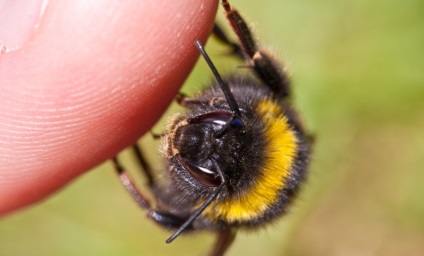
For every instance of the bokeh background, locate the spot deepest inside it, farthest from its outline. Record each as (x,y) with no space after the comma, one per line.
(358,76)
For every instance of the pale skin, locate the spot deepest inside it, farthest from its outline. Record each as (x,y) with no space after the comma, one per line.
(92,78)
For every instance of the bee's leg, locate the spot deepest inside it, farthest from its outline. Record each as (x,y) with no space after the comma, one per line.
(147,169)
(156,136)
(126,180)
(181,97)
(221,36)
(266,67)
(166,220)
(187,101)
(183,100)
(223,242)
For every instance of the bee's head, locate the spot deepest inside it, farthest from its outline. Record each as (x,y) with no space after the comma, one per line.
(213,146)
(198,144)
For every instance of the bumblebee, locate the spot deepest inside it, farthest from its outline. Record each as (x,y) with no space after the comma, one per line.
(237,157)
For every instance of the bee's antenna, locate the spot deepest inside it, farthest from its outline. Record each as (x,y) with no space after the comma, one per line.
(224,86)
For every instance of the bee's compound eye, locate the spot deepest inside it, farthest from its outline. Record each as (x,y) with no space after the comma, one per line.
(217,117)
(203,175)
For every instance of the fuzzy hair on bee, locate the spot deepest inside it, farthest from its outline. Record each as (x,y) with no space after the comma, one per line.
(239,154)
(263,163)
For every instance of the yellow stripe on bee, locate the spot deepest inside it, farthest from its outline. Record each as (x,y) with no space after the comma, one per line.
(280,153)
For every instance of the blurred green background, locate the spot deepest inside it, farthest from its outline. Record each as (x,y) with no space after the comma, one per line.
(358,75)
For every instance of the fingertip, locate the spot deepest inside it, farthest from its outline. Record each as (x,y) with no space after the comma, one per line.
(91,80)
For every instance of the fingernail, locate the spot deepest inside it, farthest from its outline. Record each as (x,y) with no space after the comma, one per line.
(18,21)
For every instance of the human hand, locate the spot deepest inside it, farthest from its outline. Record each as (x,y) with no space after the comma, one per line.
(87,83)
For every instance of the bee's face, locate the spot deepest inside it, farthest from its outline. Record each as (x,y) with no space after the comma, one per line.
(194,142)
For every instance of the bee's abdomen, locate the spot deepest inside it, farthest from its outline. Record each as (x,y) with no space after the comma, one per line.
(264,192)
